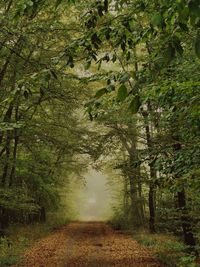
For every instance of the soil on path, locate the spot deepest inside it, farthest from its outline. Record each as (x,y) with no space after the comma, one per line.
(91,244)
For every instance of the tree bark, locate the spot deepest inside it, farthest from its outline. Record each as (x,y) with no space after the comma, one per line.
(185,220)
(133,174)
(7,118)
(152,176)
(182,207)
(6,166)
(137,221)
(42,214)
(16,141)
(151,209)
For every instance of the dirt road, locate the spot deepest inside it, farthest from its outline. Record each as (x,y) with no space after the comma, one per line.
(88,245)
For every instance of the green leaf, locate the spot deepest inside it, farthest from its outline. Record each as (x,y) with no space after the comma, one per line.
(100,92)
(47,76)
(114,58)
(122,93)
(194,8)
(135,104)
(128,56)
(54,74)
(169,53)
(177,45)
(70,62)
(26,94)
(58,2)
(110,88)
(124,78)
(87,65)
(157,19)
(99,62)
(197,45)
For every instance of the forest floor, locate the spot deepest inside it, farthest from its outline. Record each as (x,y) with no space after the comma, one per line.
(90,244)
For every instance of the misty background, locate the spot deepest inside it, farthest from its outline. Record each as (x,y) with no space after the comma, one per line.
(94,200)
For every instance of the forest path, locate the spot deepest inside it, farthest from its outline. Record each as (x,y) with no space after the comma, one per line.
(88,244)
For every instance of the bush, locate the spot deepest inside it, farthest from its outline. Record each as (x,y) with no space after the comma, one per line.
(20,237)
(168,249)
(7,256)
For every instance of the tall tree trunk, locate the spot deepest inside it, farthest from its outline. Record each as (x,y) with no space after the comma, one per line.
(125,196)
(17,47)
(151,209)
(133,174)
(141,202)
(12,173)
(152,189)
(42,214)
(136,215)
(6,165)
(4,220)
(16,141)
(185,220)
(182,206)
(4,69)
(7,118)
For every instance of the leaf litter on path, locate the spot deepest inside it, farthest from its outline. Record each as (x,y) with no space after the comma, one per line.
(88,244)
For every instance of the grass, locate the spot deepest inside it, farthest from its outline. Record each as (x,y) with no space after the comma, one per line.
(20,237)
(168,249)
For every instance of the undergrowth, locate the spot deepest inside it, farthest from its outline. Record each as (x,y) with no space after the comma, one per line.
(168,249)
(19,238)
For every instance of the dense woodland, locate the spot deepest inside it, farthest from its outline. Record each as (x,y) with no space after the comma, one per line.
(115,80)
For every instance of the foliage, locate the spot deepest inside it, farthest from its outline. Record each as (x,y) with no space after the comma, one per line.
(22,237)
(167,249)
(145,54)
(135,67)
(40,98)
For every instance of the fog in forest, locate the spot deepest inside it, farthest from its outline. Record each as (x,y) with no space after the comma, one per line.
(94,198)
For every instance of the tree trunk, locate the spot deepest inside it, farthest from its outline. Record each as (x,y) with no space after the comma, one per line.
(185,220)
(4,220)
(151,209)
(7,118)
(125,197)
(42,214)
(152,175)
(6,166)
(141,201)
(134,203)
(182,206)
(16,141)
(12,173)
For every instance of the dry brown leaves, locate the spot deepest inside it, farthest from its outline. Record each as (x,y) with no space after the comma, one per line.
(91,244)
